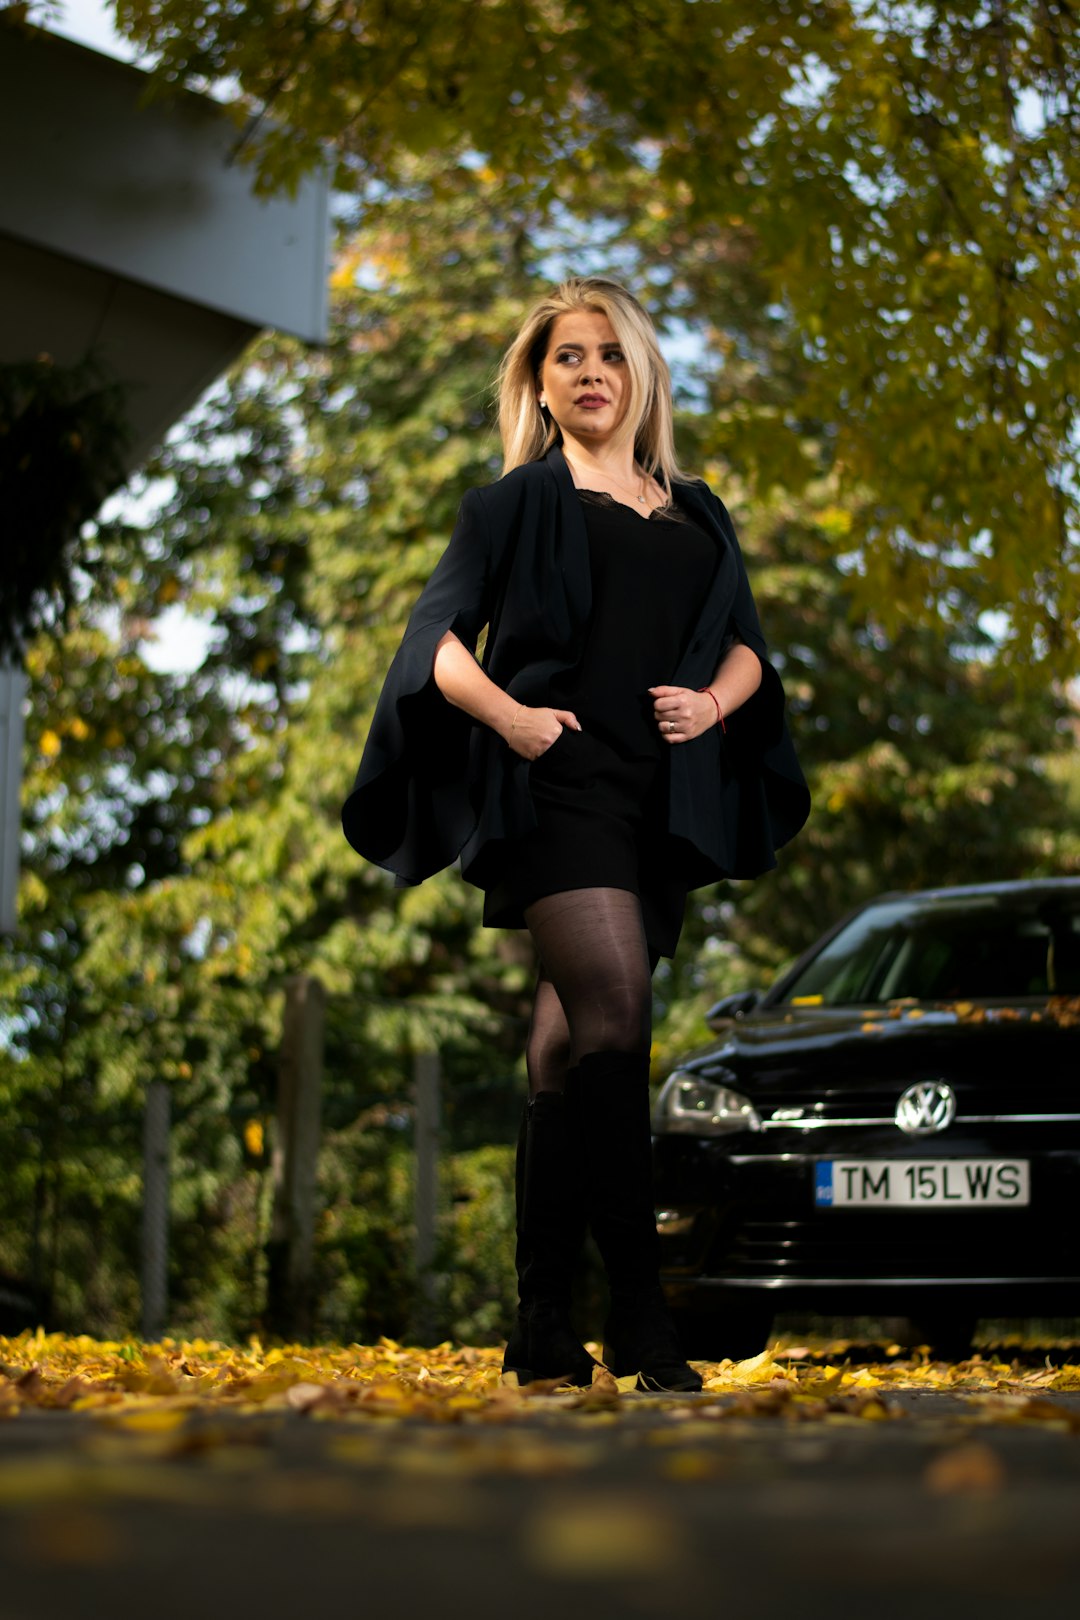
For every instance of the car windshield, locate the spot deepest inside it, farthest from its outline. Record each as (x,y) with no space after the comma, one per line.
(977,947)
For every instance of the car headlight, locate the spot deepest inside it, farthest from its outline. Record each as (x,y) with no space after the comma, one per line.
(690,1105)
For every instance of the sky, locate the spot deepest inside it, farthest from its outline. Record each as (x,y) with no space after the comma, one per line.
(90,22)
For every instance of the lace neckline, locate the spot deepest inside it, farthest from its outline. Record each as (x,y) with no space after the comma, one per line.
(600,497)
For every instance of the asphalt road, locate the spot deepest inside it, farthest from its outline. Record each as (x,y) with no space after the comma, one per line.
(648,1511)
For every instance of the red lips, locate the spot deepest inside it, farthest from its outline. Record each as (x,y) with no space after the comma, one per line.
(591,399)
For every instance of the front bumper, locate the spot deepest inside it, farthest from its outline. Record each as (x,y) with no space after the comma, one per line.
(738,1218)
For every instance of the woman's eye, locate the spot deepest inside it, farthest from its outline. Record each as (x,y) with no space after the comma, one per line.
(570,357)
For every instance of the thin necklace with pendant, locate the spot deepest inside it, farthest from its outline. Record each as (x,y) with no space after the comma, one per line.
(641,477)
(615,481)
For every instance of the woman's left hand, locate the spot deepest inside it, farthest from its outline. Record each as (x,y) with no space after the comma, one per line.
(682,713)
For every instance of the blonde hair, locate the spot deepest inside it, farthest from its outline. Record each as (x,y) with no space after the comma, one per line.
(527,434)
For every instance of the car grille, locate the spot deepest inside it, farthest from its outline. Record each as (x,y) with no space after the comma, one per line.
(973,1103)
(844,1244)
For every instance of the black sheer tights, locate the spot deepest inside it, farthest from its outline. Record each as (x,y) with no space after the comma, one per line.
(594,993)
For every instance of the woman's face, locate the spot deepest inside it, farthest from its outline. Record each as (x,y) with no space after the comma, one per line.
(584,379)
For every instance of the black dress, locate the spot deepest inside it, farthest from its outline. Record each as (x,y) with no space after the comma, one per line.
(601,793)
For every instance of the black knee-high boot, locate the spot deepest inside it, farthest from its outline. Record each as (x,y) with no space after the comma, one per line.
(608,1093)
(551,1228)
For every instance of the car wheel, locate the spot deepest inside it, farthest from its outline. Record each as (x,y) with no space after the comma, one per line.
(948,1333)
(731,1333)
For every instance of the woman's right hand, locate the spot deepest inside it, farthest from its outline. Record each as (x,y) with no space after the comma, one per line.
(532,731)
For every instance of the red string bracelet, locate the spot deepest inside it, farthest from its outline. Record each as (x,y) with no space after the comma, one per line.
(719,710)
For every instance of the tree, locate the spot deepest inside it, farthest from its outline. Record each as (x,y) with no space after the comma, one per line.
(301,521)
(97,987)
(903,177)
(928,765)
(63,430)
(184,851)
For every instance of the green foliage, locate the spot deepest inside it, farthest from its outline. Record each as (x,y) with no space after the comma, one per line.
(185,852)
(183,847)
(927,762)
(63,430)
(363,1276)
(98,986)
(477,1262)
(902,178)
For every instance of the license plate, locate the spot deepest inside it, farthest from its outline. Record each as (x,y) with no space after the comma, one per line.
(922,1183)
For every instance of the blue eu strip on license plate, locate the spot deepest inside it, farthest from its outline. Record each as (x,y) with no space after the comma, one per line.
(922,1183)
(823,1182)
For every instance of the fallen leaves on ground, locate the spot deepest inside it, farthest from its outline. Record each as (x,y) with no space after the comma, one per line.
(411,1439)
(150,1388)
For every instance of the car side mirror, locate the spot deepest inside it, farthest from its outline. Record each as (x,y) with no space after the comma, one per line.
(728,1008)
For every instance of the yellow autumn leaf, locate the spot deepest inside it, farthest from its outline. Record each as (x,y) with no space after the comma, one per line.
(690,1465)
(153,1419)
(970,1469)
(619,1535)
(874,1410)
(755,1364)
(828,1383)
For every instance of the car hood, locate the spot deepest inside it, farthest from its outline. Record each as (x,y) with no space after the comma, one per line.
(831,1051)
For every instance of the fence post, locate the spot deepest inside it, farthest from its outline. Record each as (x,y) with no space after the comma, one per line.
(290,1249)
(427,1073)
(155,1211)
(12,692)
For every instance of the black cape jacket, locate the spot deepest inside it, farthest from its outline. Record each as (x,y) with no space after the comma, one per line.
(434,784)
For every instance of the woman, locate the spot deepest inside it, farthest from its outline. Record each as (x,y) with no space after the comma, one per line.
(622,742)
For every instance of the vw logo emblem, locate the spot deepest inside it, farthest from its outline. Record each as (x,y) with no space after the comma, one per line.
(926,1107)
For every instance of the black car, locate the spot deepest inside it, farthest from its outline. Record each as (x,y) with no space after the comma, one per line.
(892,1129)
